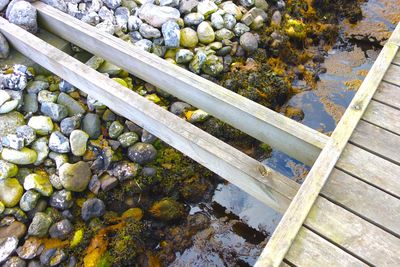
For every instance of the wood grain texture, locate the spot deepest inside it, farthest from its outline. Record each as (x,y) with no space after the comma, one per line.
(363,199)
(263,183)
(383,116)
(371,169)
(311,250)
(396,60)
(297,212)
(377,140)
(292,138)
(352,233)
(392,75)
(389,94)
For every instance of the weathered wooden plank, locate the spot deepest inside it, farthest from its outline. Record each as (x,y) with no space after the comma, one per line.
(371,169)
(294,217)
(389,94)
(311,250)
(363,199)
(377,140)
(292,138)
(392,75)
(383,116)
(395,37)
(352,233)
(396,59)
(284,264)
(248,174)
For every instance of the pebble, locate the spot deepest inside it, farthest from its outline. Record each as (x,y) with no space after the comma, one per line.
(24,15)
(171,34)
(59,4)
(189,38)
(231,8)
(55,181)
(9,106)
(10,192)
(247,3)
(7,170)
(21,157)
(36,87)
(108,182)
(224,34)
(240,29)
(92,208)
(144,44)
(112,4)
(40,224)
(40,183)
(142,153)
(229,21)
(61,230)
(56,112)
(69,124)
(197,61)
(27,133)
(183,56)
(4,97)
(148,31)
(206,7)
(3,4)
(134,23)
(7,247)
(31,248)
(73,106)
(178,108)
(198,116)
(53,257)
(29,200)
(61,200)
(124,170)
(43,125)
(94,185)
(78,141)
(75,177)
(115,129)
(193,19)
(59,143)
(4,47)
(14,262)
(42,149)
(205,33)
(186,6)
(13,228)
(249,42)
(217,21)
(128,139)
(12,141)
(147,137)
(91,125)
(212,66)
(156,16)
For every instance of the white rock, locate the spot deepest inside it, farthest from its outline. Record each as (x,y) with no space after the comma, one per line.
(156,16)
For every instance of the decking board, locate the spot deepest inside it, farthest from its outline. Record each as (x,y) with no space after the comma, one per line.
(388,94)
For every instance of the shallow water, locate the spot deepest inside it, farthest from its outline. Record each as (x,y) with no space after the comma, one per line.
(240,223)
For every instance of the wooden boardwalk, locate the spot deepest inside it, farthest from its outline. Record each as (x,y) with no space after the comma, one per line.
(346,213)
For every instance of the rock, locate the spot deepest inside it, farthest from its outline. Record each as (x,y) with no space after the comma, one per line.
(193,19)
(212,66)
(115,129)
(42,150)
(252,14)
(197,62)
(231,8)
(69,124)
(224,34)
(40,183)
(60,159)
(29,200)
(205,33)
(75,177)
(276,19)
(128,139)
(147,137)
(59,4)
(189,38)
(3,4)
(186,6)
(30,249)
(43,125)
(12,141)
(61,200)
(217,21)
(261,4)
(206,7)
(61,230)
(17,213)
(92,208)
(247,3)
(9,122)
(56,112)
(156,16)
(124,170)
(14,228)
(40,225)
(197,116)
(4,47)
(183,56)
(53,257)
(78,140)
(249,42)
(4,96)
(148,31)
(9,106)
(121,17)
(59,143)
(229,21)
(142,153)
(108,182)
(36,87)
(134,23)
(73,106)
(167,209)
(240,29)
(112,4)
(10,192)
(21,157)
(27,133)
(24,15)
(178,108)
(171,33)
(14,262)
(144,44)
(55,181)
(7,170)
(7,247)
(94,185)
(91,125)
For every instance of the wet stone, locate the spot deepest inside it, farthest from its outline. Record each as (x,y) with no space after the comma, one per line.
(14,262)
(78,141)
(31,248)
(147,137)
(61,229)
(92,208)
(7,247)
(124,170)
(61,200)
(75,177)
(40,225)
(115,129)
(59,143)
(142,153)
(56,112)
(29,200)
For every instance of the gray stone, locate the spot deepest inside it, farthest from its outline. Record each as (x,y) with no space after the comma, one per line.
(42,125)
(61,200)
(197,62)
(39,183)
(249,42)
(29,200)
(147,137)
(252,14)
(217,21)
(262,4)
(53,257)
(134,23)
(78,140)
(59,159)
(66,87)
(240,29)
(212,66)
(142,153)
(178,108)
(229,21)
(24,15)
(37,86)
(55,181)
(21,157)
(7,247)
(128,139)
(172,3)
(183,56)
(224,34)
(171,33)
(14,262)
(124,170)
(4,47)
(73,106)
(144,44)
(9,106)
(112,4)
(205,33)
(59,143)
(69,124)
(75,177)
(7,170)
(156,16)
(59,4)
(13,141)
(94,185)
(108,182)
(92,208)
(148,31)
(27,133)
(193,19)
(42,149)
(30,249)
(47,96)
(247,3)
(31,104)
(186,6)
(3,4)
(40,224)
(206,7)
(61,230)
(91,125)
(55,111)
